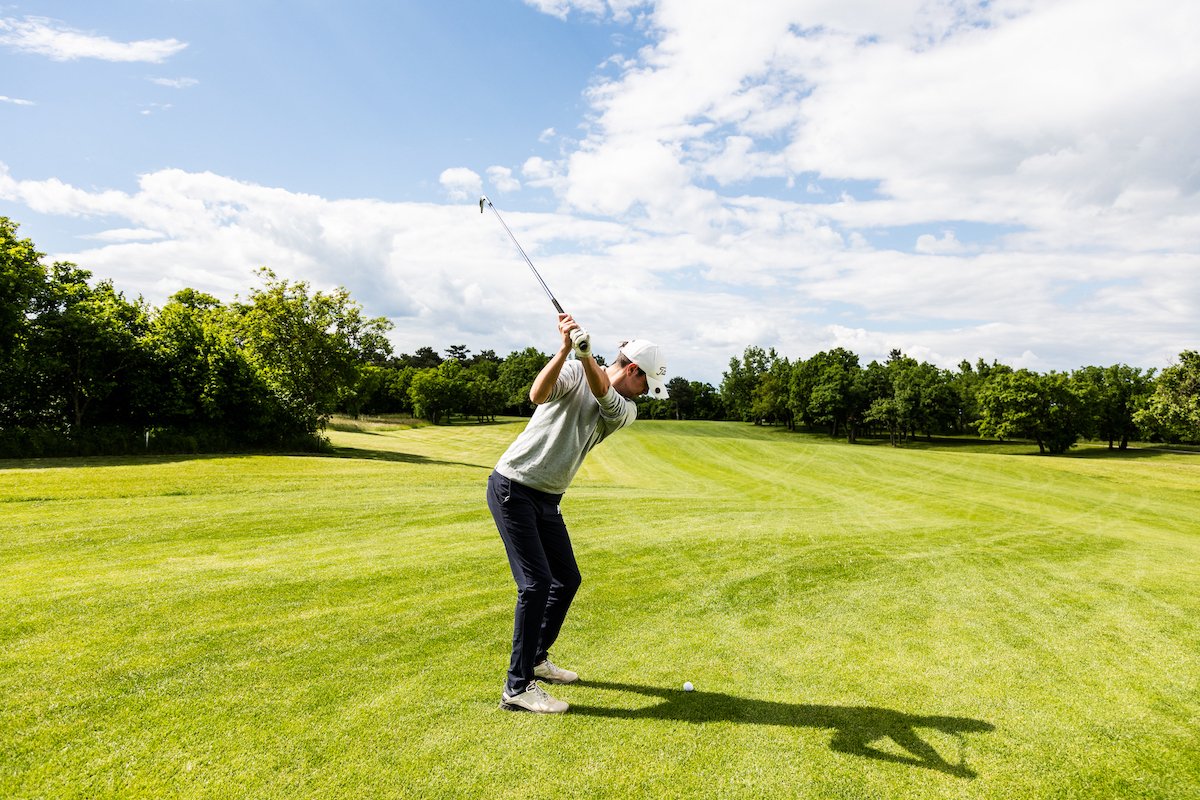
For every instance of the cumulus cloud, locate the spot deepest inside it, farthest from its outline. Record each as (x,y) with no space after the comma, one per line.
(4,99)
(461,183)
(175,83)
(502,178)
(51,38)
(928,243)
(785,279)
(546,135)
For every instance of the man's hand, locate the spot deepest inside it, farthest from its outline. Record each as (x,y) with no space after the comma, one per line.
(565,327)
(582,343)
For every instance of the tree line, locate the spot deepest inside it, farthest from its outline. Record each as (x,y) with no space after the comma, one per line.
(905,398)
(85,370)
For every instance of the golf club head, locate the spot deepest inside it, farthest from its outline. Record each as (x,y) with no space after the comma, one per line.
(483,199)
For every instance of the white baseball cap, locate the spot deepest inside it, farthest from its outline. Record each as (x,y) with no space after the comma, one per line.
(649,358)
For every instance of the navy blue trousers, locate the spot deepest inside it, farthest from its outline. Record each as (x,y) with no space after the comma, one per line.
(543,565)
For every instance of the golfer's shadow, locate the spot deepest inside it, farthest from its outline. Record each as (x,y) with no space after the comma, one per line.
(854,727)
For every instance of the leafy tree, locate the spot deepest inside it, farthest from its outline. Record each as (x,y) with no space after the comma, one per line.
(681,396)
(1121,391)
(424,358)
(457,352)
(437,392)
(307,346)
(1051,409)
(83,348)
(706,401)
(486,357)
(200,381)
(398,384)
(1173,411)
(889,412)
(517,374)
(829,390)
(966,384)
(22,279)
(876,386)
(364,394)
(740,381)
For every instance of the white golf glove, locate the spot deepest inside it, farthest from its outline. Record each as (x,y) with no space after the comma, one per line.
(582,343)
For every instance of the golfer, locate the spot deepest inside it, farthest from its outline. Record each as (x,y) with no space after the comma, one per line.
(578,406)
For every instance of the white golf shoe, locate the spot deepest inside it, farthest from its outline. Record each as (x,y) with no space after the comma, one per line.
(534,699)
(549,673)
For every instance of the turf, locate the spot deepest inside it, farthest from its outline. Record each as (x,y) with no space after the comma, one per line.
(860,621)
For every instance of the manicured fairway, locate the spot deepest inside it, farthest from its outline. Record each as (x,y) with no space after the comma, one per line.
(859,621)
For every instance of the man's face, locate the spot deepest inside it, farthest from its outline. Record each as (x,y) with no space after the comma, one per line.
(632,382)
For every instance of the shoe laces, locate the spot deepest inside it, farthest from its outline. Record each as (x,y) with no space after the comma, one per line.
(538,691)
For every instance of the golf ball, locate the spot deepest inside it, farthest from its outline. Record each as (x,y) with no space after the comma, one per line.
(687,686)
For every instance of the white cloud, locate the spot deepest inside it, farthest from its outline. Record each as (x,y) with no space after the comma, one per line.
(175,83)
(461,183)
(49,37)
(782,279)
(546,135)
(502,178)
(621,10)
(4,99)
(947,245)
(125,235)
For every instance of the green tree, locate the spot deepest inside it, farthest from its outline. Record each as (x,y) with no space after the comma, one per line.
(516,376)
(1173,410)
(741,379)
(437,392)
(706,402)
(483,396)
(424,358)
(889,412)
(828,389)
(682,397)
(1121,391)
(83,349)
(1051,409)
(201,382)
(22,280)
(364,394)
(398,384)
(307,346)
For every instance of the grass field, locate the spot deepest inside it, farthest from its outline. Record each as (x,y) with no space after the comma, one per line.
(937,621)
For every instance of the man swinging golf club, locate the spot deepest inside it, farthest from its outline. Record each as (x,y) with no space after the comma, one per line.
(579,404)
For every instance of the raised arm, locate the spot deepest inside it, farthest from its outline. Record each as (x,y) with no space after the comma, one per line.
(597,378)
(543,384)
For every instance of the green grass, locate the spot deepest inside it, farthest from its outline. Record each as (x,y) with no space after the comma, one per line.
(950,621)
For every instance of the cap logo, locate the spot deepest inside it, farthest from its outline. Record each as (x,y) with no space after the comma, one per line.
(662,370)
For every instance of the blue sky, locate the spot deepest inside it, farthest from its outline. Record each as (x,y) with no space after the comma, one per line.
(1011,179)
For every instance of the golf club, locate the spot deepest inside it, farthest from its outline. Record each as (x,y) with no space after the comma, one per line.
(483,200)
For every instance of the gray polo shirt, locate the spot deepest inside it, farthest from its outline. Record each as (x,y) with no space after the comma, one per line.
(563,430)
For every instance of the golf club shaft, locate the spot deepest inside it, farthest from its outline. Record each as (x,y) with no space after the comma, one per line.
(549,294)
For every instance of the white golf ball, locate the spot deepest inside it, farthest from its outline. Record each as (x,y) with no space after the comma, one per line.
(687,686)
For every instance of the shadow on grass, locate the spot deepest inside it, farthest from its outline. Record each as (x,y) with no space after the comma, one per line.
(395,456)
(75,462)
(854,727)
(1100,451)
